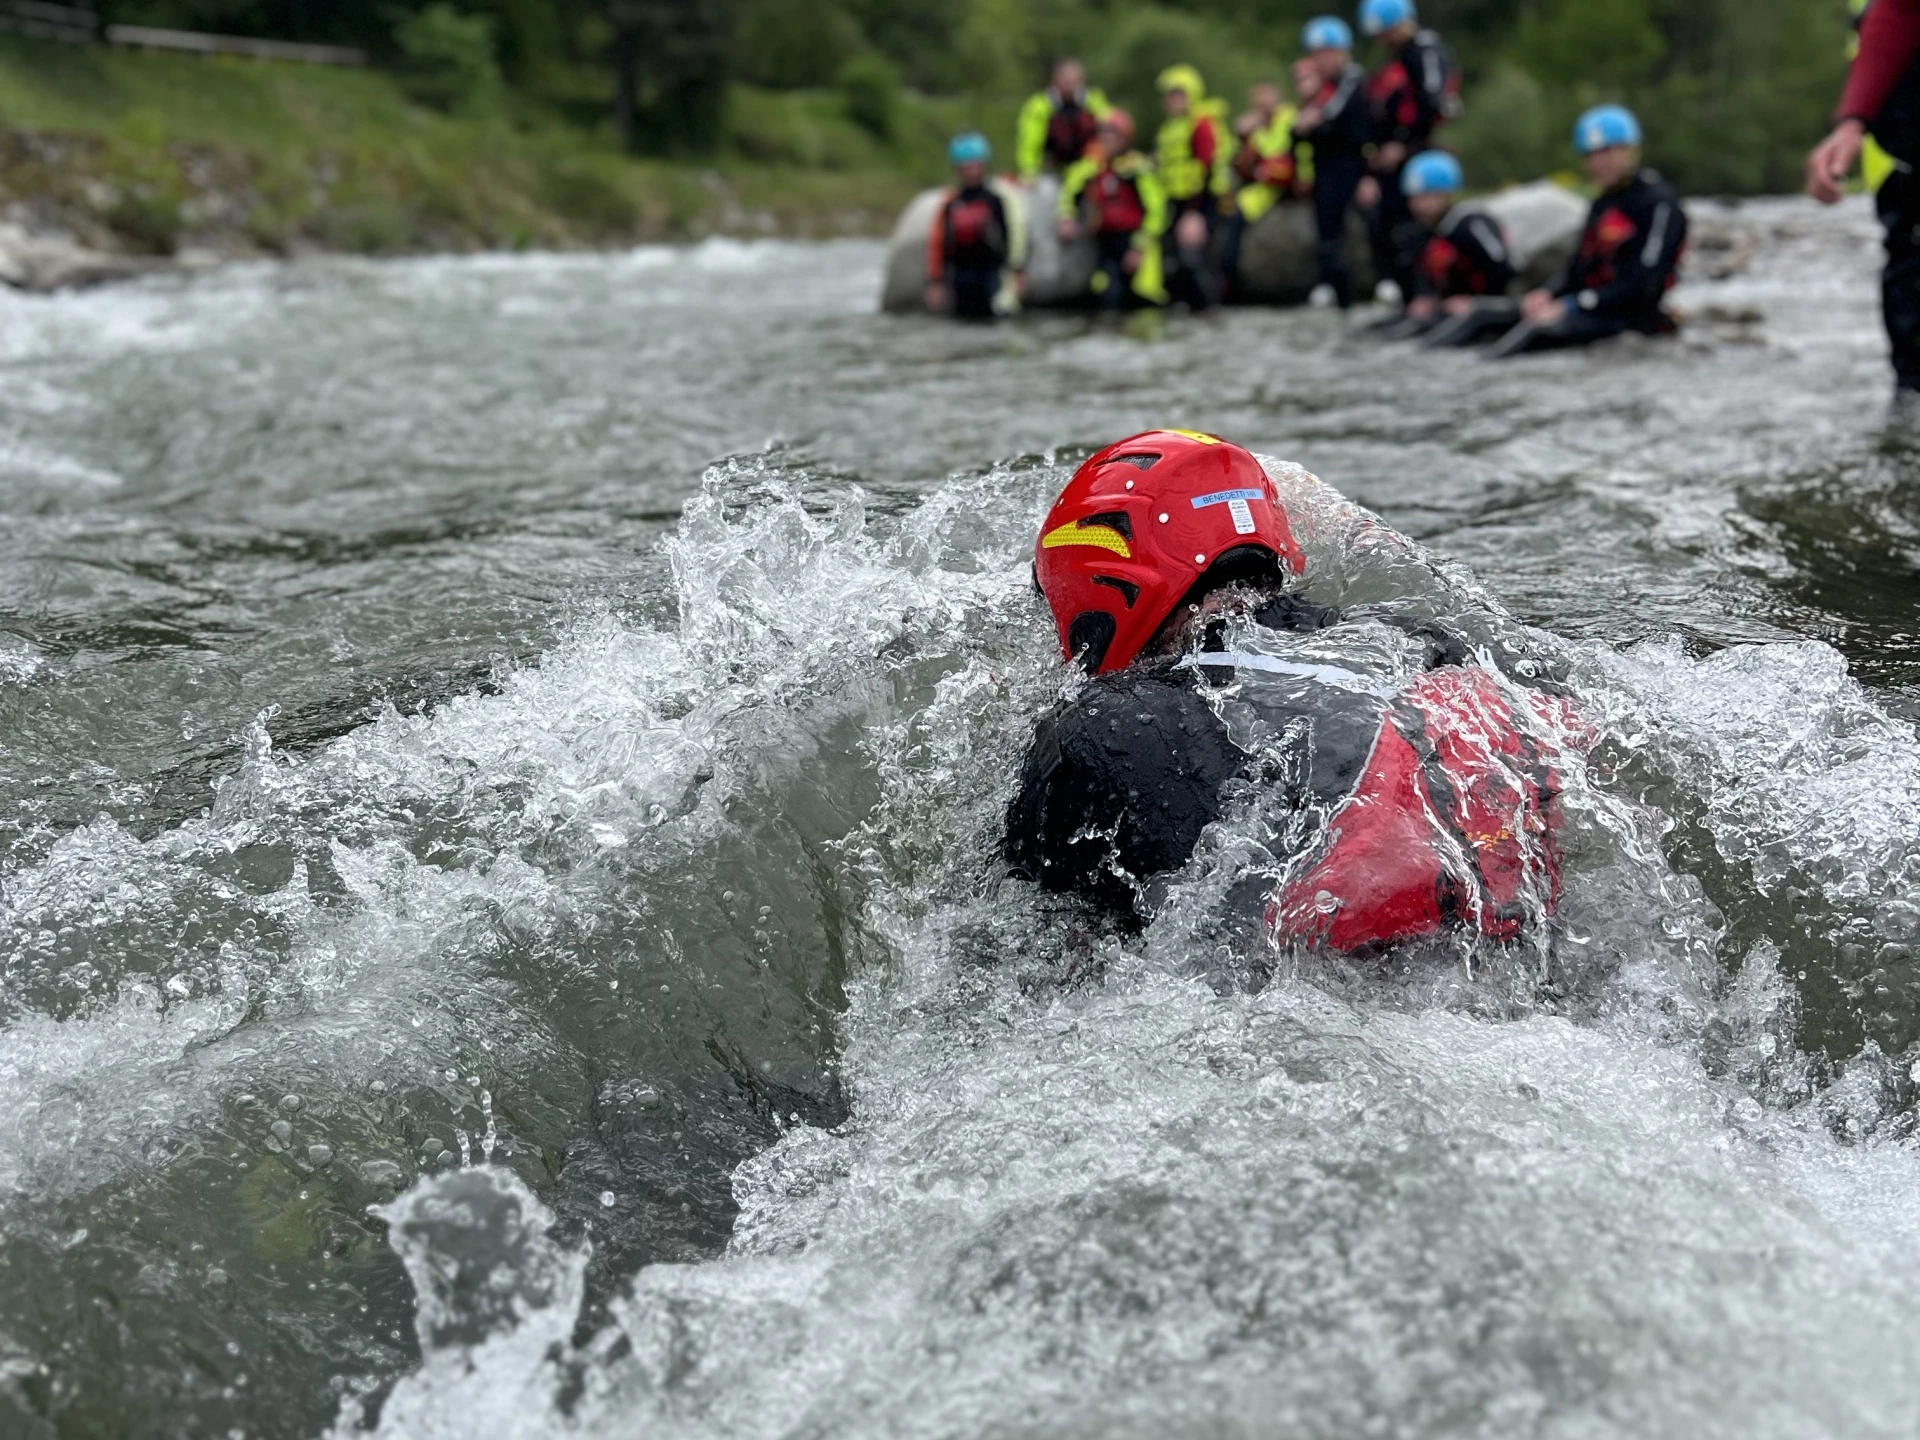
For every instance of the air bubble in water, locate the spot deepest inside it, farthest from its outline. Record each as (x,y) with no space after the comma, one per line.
(606,1199)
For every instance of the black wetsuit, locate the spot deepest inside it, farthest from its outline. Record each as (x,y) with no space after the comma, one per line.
(1467,256)
(1408,98)
(1118,785)
(1339,143)
(1629,258)
(974,246)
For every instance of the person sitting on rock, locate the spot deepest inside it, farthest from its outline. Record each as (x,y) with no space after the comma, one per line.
(977,246)
(1057,125)
(1629,255)
(1404,788)
(1265,165)
(1114,194)
(1464,266)
(1192,155)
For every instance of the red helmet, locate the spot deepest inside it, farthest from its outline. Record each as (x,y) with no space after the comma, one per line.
(1137,528)
(1120,122)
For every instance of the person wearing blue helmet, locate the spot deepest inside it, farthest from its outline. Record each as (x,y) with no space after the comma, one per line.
(1464,267)
(977,246)
(1413,93)
(1629,255)
(1335,122)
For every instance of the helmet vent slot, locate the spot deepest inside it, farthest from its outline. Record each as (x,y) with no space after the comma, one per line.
(1129,592)
(1139,462)
(1089,636)
(1111,520)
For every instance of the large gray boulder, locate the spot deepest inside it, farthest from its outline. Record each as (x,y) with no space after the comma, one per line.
(1057,274)
(1277,261)
(1543,222)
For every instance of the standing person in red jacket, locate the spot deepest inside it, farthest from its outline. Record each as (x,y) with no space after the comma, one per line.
(1882,99)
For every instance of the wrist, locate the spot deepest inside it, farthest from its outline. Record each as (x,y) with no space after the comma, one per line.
(1851,123)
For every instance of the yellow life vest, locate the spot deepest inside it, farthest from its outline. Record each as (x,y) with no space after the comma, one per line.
(1182,173)
(1273,139)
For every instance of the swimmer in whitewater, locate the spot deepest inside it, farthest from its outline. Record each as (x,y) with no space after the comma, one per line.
(1422,783)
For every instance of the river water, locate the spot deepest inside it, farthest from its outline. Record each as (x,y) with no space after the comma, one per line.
(500,767)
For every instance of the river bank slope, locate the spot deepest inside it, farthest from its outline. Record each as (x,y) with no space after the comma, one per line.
(140,155)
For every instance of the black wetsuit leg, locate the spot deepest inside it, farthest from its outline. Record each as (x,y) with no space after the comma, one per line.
(1899,204)
(1113,248)
(974,288)
(1489,316)
(1190,277)
(1335,181)
(1234,234)
(1576,330)
(1395,235)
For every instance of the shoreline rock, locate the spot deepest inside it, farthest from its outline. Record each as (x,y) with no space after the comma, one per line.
(43,262)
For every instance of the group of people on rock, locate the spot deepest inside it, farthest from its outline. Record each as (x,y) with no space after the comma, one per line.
(1170,226)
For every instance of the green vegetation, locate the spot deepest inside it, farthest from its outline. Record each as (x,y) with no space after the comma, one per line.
(567,122)
(149,152)
(1732,91)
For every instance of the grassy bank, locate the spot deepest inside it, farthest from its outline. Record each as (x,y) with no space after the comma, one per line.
(152,153)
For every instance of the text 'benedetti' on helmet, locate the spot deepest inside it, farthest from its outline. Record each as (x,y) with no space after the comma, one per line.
(1140,526)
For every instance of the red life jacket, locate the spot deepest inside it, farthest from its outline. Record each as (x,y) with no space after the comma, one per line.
(972,223)
(1391,96)
(1069,132)
(1452,818)
(1117,206)
(1448,270)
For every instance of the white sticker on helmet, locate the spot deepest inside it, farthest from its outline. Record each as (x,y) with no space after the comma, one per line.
(1242,516)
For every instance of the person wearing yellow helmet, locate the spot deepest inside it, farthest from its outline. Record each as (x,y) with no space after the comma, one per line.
(1193,158)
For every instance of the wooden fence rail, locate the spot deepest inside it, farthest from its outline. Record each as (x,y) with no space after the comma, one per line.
(70,24)
(145,37)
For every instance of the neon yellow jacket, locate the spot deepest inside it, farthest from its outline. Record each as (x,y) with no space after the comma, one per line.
(1036,117)
(1135,169)
(1275,164)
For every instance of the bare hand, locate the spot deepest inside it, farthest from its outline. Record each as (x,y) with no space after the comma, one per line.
(1308,119)
(1069,229)
(1833,160)
(1459,305)
(1389,157)
(1367,197)
(1423,307)
(1542,307)
(1130,262)
(1190,231)
(936,296)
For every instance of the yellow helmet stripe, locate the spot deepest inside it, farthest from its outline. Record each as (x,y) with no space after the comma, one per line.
(1104,536)
(1200,435)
